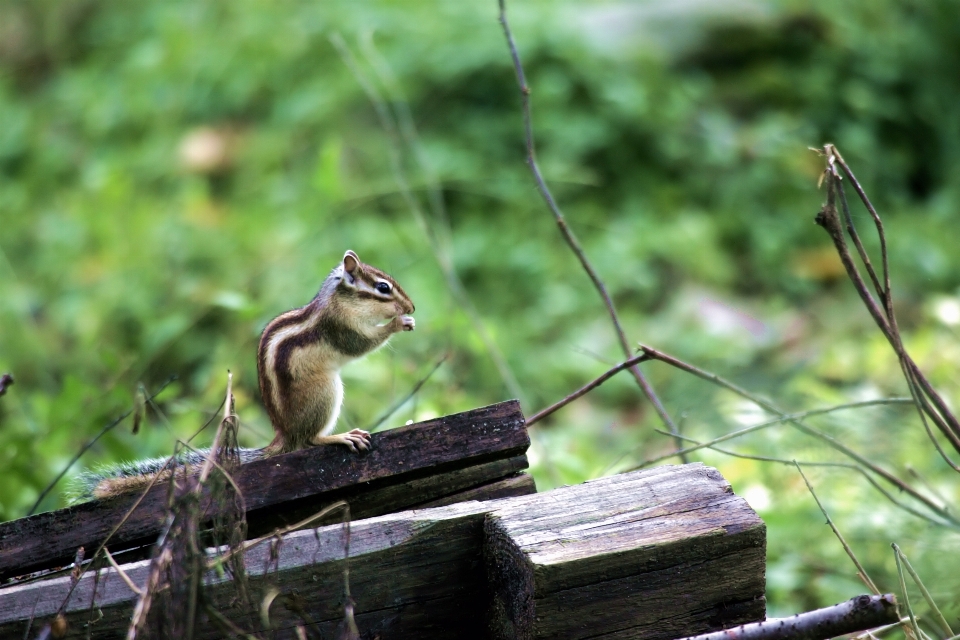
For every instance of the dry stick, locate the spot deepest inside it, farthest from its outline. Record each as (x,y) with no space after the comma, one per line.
(875,632)
(543,413)
(89,444)
(906,599)
(567,233)
(416,388)
(122,573)
(923,410)
(876,220)
(249,544)
(885,319)
(842,448)
(842,465)
(885,295)
(882,291)
(130,511)
(348,618)
(217,617)
(856,614)
(769,423)
(923,590)
(440,253)
(861,572)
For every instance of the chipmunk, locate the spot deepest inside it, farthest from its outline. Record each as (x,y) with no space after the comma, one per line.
(301,352)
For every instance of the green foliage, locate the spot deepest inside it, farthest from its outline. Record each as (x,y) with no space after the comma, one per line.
(675,140)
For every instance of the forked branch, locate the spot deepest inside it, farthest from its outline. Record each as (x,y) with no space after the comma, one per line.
(567,232)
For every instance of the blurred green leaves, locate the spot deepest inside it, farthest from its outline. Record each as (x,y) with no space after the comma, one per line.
(174,174)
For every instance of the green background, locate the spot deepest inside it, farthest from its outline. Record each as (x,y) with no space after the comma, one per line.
(674,136)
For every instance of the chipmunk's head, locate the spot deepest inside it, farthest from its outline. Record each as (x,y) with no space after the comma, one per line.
(374,295)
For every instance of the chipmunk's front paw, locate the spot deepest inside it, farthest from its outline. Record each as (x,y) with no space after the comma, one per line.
(356,440)
(408,323)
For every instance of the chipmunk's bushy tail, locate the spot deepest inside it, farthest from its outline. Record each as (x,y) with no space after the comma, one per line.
(108,481)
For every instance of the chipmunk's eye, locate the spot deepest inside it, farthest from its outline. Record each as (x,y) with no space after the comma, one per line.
(383,287)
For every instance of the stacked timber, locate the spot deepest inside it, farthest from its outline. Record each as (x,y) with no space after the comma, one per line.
(655,554)
(475,455)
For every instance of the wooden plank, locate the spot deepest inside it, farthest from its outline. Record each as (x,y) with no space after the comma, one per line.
(520,484)
(413,574)
(399,455)
(651,554)
(366,501)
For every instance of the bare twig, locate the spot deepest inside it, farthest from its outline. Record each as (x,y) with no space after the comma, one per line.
(226,624)
(928,400)
(567,232)
(416,389)
(941,620)
(787,417)
(913,626)
(543,413)
(876,220)
(803,427)
(249,544)
(348,604)
(123,574)
(439,248)
(839,465)
(89,444)
(861,572)
(857,614)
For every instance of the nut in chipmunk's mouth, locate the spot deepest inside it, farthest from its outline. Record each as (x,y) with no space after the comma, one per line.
(409,323)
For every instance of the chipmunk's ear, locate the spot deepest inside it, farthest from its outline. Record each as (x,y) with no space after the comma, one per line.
(351,264)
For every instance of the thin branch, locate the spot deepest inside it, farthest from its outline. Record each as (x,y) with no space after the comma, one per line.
(123,574)
(787,417)
(228,418)
(873,213)
(89,444)
(941,620)
(929,400)
(861,572)
(416,389)
(225,623)
(249,544)
(882,291)
(906,597)
(567,232)
(833,442)
(543,413)
(840,465)
(440,251)
(885,628)
(857,614)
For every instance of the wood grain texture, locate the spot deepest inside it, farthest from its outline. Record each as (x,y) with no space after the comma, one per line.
(642,555)
(661,553)
(413,574)
(400,455)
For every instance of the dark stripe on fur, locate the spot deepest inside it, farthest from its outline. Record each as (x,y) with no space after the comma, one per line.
(280,322)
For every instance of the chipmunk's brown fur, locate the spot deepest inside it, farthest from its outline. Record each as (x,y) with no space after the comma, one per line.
(299,359)
(301,352)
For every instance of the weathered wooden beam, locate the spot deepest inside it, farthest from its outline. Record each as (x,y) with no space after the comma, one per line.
(278,488)
(646,555)
(661,553)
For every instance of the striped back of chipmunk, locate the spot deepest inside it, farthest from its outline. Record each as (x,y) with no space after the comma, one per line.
(354,297)
(286,332)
